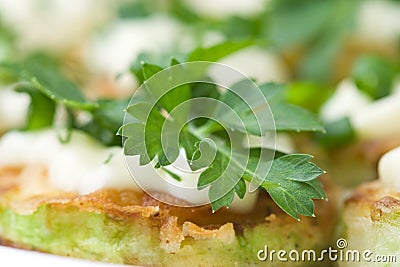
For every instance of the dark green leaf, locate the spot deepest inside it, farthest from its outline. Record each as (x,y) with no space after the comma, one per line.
(231,165)
(156,60)
(297,184)
(295,167)
(173,175)
(319,27)
(338,133)
(374,75)
(56,87)
(215,53)
(212,173)
(51,83)
(133,9)
(288,117)
(226,201)
(149,70)
(240,188)
(106,120)
(41,109)
(289,26)
(239,28)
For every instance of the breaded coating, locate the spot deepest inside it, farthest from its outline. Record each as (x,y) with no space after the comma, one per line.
(371,220)
(132,228)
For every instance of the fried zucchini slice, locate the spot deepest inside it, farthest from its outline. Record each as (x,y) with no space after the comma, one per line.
(371,220)
(130,227)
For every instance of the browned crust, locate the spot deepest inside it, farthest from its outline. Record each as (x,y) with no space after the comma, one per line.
(171,235)
(375,200)
(225,233)
(372,193)
(16,192)
(7,243)
(175,223)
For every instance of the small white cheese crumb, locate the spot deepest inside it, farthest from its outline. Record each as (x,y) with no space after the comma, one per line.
(378,22)
(13,109)
(370,119)
(378,120)
(253,62)
(347,100)
(246,204)
(83,165)
(389,169)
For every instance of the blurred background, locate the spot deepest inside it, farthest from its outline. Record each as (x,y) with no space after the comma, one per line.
(314,41)
(337,56)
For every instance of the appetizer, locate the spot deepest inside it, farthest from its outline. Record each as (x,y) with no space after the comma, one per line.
(201,133)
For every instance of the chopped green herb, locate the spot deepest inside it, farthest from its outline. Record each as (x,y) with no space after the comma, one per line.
(291,181)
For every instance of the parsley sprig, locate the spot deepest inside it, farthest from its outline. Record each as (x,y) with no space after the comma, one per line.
(292,179)
(41,78)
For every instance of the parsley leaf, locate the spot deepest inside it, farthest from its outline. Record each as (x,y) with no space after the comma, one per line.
(56,87)
(143,71)
(216,52)
(374,75)
(105,121)
(292,184)
(41,109)
(320,28)
(287,117)
(296,198)
(39,77)
(291,180)
(49,82)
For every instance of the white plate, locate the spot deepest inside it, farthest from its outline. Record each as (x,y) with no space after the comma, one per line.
(19,257)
